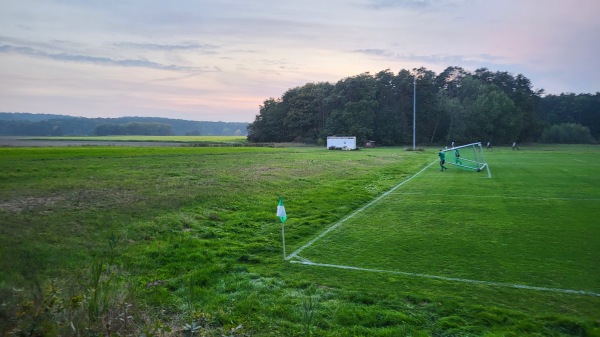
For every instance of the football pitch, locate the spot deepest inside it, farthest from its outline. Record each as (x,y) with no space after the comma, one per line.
(534,225)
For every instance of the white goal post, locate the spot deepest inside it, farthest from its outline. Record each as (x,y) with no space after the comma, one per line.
(468,156)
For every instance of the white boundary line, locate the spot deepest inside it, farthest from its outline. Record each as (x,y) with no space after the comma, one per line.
(294,254)
(586,162)
(496,196)
(452,279)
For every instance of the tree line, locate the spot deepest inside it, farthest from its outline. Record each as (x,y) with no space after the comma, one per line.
(28,124)
(455,105)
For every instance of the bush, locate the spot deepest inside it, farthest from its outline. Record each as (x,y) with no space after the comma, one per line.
(567,133)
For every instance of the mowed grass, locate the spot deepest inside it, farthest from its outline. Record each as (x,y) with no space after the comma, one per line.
(536,223)
(197,240)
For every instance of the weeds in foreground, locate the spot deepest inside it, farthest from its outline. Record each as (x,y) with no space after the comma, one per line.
(53,310)
(191,328)
(309,309)
(99,304)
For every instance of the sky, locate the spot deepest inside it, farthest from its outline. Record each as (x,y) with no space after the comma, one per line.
(219,60)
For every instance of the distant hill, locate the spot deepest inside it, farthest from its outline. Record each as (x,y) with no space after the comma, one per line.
(26,116)
(29,124)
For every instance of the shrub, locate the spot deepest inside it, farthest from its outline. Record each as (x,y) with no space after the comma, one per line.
(567,133)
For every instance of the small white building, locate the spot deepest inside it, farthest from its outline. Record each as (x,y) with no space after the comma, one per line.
(341,143)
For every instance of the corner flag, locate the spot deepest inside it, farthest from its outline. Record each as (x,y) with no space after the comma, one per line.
(281,210)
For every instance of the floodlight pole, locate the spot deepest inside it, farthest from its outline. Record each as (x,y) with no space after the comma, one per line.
(414,112)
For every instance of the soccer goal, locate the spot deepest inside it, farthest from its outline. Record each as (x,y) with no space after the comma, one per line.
(468,156)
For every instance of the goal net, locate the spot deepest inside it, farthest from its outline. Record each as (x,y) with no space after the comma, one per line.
(468,156)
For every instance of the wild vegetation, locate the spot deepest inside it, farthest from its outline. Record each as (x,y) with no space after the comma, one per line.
(453,106)
(184,241)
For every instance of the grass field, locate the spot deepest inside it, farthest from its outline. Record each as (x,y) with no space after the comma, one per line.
(534,224)
(174,241)
(177,139)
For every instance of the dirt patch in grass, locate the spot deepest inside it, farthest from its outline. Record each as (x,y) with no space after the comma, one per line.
(76,200)
(29,203)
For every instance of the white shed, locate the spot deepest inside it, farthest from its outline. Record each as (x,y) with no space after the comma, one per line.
(341,143)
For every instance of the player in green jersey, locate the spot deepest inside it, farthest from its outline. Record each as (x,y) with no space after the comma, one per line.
(442,156)
(457,157)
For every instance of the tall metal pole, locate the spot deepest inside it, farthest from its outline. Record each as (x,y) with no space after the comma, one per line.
(414,112)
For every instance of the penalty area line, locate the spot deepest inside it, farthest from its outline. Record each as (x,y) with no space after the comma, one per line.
(497,196)
(586,162)
(451,279)
(337,224)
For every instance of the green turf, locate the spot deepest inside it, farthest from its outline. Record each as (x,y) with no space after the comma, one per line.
(534,223)
(189,235)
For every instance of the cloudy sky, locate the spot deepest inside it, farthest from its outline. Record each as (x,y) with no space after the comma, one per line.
(219,60)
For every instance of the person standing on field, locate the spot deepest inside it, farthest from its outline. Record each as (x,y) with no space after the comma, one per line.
(457,157)
(442,156)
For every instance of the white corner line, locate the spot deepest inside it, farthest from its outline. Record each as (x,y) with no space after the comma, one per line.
(454,279)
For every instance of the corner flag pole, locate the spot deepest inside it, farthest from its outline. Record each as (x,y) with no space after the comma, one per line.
(282,216)
(283,238)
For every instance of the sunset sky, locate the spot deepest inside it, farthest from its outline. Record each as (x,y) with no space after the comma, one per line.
(219,60)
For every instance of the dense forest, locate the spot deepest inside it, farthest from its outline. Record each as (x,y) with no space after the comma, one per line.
(456,105)
(28,124)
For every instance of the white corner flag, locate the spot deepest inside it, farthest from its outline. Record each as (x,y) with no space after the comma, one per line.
(281,210)
(282,216)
